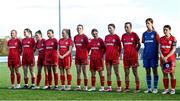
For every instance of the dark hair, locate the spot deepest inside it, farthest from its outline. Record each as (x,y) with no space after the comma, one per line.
(28,30)
(149,19)
(68,31)
(113,25)
(80,25)
(50,30)
(167,26)
(14,31)
(129,24)
(39,32)
(94,30)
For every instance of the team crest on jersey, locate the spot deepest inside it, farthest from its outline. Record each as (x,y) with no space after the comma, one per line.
(113,40)
(152,36)
(81,40)
(15,43)
(28,42)
(170,42)
(66,43)
(132,39)
(52,43)
(42,44)
(98,43)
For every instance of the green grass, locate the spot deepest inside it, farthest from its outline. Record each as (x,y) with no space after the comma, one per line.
(8,94)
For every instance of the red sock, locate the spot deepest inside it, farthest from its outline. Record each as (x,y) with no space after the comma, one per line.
(102,80)
(56,79)
(93,81)
(127,84)
(50,78)
(173,83)
(119,83)
(166,83)
(33,80)
(78,82)
(62,79)
(12,78)
(137,85)
(69,79)
(109,83)
(18,78)
(46,79)
(39,77)
(85,82)
(26,80)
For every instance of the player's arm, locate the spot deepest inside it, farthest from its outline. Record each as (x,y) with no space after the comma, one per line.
(34,44)
(69,51)
(119,45)
(138,44)
(142,38)
(157,38)
(173,49)
(20,47)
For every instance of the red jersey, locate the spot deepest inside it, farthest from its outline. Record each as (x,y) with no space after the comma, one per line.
(51,49)
(14,46)
(166,45)
(28,45)
(81,44)
(113,46)
(97,48)
(130,42)
(64,45)
(40,45)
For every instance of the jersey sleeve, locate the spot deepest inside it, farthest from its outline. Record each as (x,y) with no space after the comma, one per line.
(142,38)
(119,44)
(174,42)
(157,37)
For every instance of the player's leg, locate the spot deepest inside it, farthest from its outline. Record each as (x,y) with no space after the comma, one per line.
(84,69)
(46,78)
(165,83)
(173,81)
(117,73)
(62,77)
(18,75)
(147,65)
(93,80)
(126,70)
(102,79)
(55,71)
(109,81)
(39,77)
(69,78)
(12,77)
(78,68)
(156,78)
(25,70)
(31,69)
(135,72)
(49,76)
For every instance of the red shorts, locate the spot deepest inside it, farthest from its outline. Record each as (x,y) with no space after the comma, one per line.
(131,63)
(16,63)
(112,61)
(65,63)
(81,61)
(30,61)
(51,59)
(40,61)
(97,65)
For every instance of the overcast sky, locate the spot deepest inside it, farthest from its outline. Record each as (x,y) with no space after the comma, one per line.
(43,14)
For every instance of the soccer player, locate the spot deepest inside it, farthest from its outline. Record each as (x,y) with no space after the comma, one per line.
(112,55)
(97,47)
(65,58)
(131,44)
(150,38)
(14,45)
(51,58)
(40,46)
(81,57)
(167,53)
(28,60)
